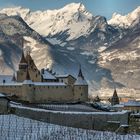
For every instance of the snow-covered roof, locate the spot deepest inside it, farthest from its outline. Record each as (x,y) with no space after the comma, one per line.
(48,75)
(27,82)
(62,76)
(118,105)
(7,78)
(80,81)
(132,103)
(11,84)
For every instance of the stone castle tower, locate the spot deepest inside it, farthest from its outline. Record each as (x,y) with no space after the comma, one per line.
(80,87)
(28,64)
(23,66)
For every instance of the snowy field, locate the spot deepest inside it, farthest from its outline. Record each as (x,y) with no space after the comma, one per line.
(19,128)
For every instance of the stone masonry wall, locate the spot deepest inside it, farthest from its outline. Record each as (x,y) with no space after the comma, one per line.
(97,120)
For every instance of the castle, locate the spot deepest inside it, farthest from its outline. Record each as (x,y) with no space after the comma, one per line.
(34,86)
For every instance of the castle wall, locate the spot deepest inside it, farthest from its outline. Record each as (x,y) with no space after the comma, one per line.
(11,89)
(40,93)
(103,121)
(81,93)
(53,93)
(27,91)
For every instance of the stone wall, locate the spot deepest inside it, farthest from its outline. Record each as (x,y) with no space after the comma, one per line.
(39,94)
(11,89)
(46,93)
(94,120)
(53,93)
(3,105)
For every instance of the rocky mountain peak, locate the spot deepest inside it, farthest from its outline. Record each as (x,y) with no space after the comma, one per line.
(126,21)
(23,12)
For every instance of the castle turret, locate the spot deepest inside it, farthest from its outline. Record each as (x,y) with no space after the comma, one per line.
(115,98)
(80,88)
(80,79)
(21,73)
(23,63)
(33,70)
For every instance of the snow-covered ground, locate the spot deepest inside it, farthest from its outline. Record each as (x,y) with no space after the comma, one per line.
(17,128)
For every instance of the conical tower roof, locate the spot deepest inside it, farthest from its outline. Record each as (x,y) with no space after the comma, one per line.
(22,60)
(80,79)
(28,57)
(14,78)
(80,74)
(115,98)
(115,95)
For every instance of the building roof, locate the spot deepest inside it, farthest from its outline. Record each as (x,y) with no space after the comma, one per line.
(47,75)
(14,78)
(80,79)
(80,73)
(132,103)
(23,60)
(64,76)
(28,57)
(115,95)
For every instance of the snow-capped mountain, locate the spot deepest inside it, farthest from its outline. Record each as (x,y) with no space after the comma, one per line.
(72,17)
(68,25)
(126,21)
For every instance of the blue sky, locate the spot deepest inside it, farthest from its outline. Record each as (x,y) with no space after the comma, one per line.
(97,7)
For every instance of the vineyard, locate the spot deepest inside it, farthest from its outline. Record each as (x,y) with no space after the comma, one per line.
(19,128)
